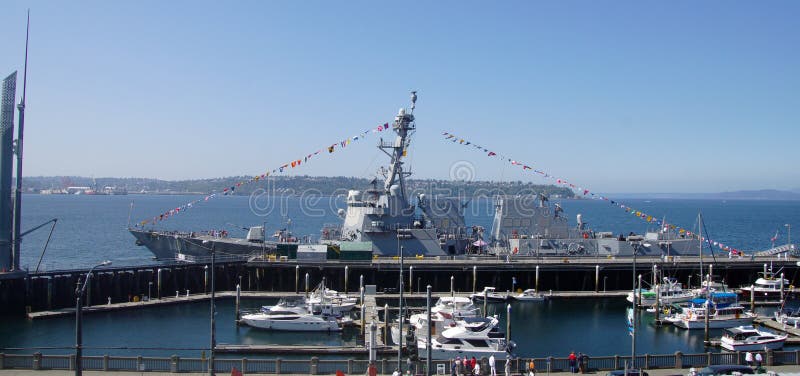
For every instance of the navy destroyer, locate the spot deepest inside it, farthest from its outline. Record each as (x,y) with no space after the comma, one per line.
(529,226)
(382,219)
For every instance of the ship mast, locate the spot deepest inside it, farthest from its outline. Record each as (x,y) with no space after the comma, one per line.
(404,126)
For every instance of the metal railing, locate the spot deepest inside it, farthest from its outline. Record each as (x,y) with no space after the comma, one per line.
(316,366)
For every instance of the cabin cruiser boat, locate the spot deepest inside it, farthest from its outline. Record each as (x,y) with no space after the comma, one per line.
(293,317)
(748,338)
(490,294)
(529,295)
(766,287)
(724,312)
(456,307)
(669,292)
(478,337)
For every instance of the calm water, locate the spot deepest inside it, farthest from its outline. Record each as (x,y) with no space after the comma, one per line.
(593,326)
(92,229)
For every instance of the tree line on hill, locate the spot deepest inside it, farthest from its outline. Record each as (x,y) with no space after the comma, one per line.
(290,185)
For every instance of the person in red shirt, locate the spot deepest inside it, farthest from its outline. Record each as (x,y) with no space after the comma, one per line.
(572,361)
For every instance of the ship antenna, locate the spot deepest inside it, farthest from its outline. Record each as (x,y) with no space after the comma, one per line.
(413,100)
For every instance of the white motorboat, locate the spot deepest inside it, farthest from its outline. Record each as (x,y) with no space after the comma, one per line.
(456,307)
(478,337)
(529,295)
(748,338)
(788,316)
(719,317)
(669,292)
(292,317)
(767,287)
(339,303)
(490,294)
(724,312)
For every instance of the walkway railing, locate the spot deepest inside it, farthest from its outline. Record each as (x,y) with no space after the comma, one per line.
(316,366)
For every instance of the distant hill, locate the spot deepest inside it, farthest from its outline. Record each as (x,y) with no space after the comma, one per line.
(761,194)
(291,185)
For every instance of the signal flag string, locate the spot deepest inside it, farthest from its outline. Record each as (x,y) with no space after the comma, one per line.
(588,193)
(288,165)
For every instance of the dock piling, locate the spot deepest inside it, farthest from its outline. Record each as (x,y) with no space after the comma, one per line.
(536,284)
(307,279)
(297,279)
(597,278)
(237,316)
(346,274)
(452,287)
(474,278)
(411,279)
(158,274)
(752,298)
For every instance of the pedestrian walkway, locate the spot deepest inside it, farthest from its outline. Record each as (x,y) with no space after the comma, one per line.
(778,370)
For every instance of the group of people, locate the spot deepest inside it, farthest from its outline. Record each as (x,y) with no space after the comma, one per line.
(468,366)
(751,360)
(577,363)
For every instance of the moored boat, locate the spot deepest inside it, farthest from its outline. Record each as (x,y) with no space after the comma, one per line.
(292,317)
(669,292)
(490,295)
(748,338)
(478,337)
(529,295)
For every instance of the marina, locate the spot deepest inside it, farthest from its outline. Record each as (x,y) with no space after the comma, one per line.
(256,278)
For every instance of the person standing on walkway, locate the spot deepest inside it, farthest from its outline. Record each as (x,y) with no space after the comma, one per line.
(572,361)
(508,365)
(531,368)
(491,365)
(581,366)
(477,370)
(759,359)
(748,358)
(453,367)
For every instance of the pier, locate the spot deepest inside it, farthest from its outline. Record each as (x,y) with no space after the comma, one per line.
(572,277)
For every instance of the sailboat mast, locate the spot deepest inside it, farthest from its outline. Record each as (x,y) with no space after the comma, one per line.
(700,231)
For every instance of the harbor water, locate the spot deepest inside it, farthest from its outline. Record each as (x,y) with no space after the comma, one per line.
(93,228)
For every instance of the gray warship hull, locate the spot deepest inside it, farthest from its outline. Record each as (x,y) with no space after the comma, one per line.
(171,245)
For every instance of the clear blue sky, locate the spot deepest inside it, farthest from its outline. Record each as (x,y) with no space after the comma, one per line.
(678,96)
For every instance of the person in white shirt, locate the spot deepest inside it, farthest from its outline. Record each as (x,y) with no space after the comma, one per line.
(748,358)
(491,365)
(758,360)
(508,365)
(396,372)
(477,370)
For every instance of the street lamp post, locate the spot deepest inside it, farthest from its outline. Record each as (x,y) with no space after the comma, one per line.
(79,291)
(213,343)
